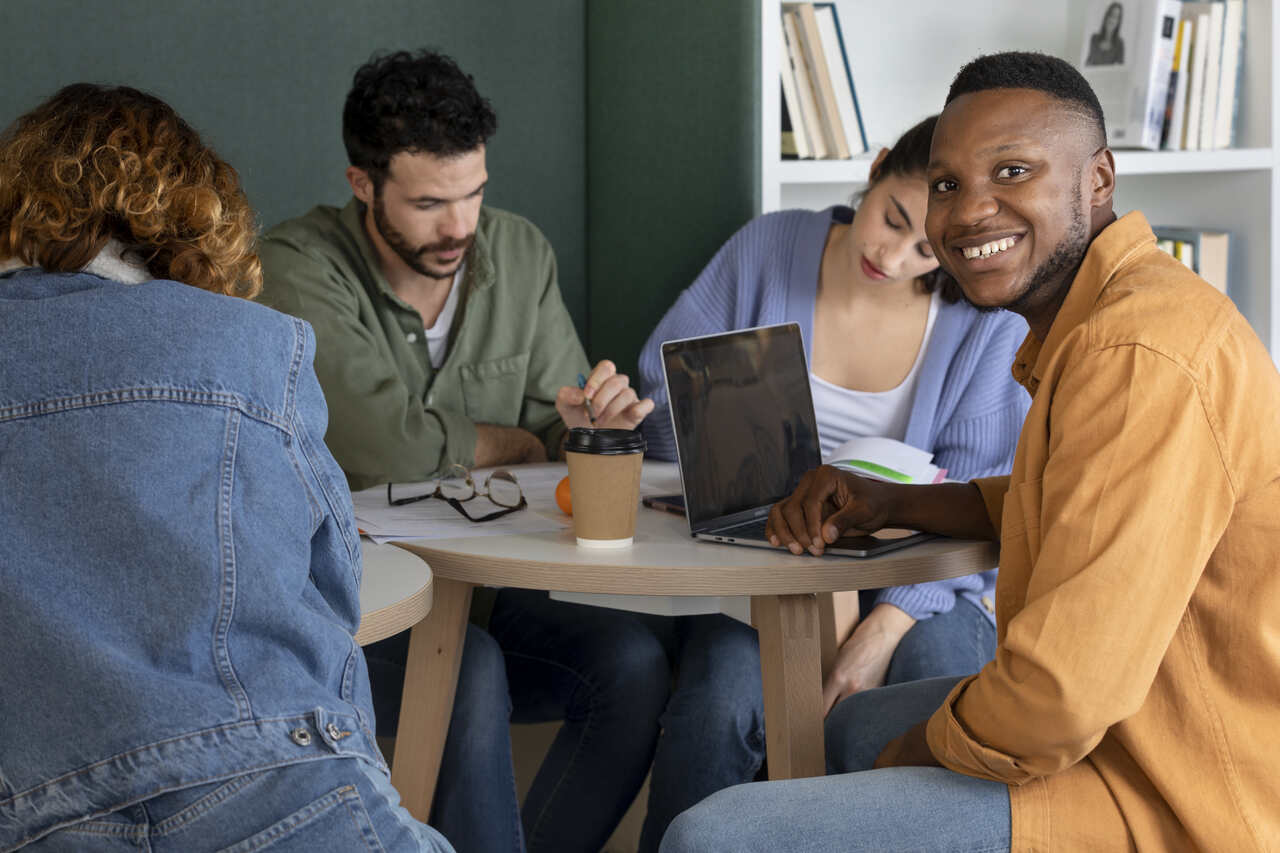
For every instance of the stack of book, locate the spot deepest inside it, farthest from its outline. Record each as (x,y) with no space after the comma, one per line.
(820,116)
(1166,71)
(1204,252)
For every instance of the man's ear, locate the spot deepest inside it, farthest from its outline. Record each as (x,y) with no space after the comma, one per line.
(361,184)
(1102,179)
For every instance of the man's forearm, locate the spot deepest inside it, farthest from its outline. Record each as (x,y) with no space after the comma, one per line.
(952,509)
(506,445)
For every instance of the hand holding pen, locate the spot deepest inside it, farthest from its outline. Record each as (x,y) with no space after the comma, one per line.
(604,399)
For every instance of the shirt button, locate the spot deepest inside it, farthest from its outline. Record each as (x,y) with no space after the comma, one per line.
(412,337)
(987,603)
(301,737)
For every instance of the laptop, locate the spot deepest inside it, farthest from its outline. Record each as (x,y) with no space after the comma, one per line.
(745,434)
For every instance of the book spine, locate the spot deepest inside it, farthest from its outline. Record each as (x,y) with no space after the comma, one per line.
(804,87)
(1213,68)
(1165,28)
(1177,134)
(811,40)
(790,99)
(1199,63)
(1229,75)
(853,90)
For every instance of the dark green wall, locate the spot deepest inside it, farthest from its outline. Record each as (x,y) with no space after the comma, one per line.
(672,154)
(627,128)
(264,81)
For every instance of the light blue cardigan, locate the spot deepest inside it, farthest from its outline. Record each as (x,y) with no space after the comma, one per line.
(967,409)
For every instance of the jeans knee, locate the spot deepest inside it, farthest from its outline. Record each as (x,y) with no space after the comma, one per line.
(632,666)
(847,744)
(482,679)
(692,832)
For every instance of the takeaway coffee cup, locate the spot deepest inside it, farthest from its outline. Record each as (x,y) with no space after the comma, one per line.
(604,478)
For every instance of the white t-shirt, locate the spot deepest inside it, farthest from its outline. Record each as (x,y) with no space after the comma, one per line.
(438,335)
(843,414)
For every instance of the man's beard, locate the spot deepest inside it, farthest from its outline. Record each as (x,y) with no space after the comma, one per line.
(1059,267)
(411,255)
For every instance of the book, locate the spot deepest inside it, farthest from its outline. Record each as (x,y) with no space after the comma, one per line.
(841,77)
(787,140)
(1175,112)
(816,60)
(804,87)
(792,119)
(1206,253)
(886,459)
(1127,60)
(1229,74)
(1199,65)
(1212,70)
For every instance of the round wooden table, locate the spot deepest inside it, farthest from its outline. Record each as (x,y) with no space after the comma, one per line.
(395,591)
(787,593)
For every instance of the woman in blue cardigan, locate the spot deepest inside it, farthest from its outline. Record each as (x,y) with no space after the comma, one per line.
(893,351)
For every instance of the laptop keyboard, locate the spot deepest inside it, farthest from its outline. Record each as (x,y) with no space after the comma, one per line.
(748,530)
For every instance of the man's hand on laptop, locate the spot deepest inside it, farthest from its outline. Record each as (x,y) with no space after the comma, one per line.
(825,505)
(613,401)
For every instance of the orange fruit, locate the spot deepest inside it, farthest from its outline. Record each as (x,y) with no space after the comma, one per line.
(563,499)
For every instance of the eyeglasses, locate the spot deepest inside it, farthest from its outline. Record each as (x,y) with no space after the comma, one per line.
(457,487)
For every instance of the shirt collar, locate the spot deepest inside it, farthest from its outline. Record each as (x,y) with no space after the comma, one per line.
(479,266)
(1111,250)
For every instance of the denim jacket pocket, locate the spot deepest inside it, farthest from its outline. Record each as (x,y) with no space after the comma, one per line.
(493,391)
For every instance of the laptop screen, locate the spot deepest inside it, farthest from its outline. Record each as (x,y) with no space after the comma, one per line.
(743,418)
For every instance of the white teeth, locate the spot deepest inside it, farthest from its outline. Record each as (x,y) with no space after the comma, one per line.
(986,250)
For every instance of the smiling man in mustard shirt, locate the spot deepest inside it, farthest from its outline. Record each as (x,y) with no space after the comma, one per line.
(1134,698)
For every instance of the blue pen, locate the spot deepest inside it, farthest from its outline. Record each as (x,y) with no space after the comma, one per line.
(591,413)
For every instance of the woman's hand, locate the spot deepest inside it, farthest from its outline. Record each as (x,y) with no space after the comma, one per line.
(864,658)
(825,504)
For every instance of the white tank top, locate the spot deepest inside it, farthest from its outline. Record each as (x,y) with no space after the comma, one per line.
(438,335)
(844,414)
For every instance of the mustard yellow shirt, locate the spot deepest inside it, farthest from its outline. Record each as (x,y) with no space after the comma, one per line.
(1134,699)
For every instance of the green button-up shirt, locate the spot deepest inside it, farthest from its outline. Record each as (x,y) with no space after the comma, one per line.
(392,417)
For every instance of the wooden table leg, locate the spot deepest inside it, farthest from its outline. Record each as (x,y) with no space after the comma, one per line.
(791,671)
(431,677)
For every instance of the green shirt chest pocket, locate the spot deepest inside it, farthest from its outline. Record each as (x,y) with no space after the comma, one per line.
(493,391)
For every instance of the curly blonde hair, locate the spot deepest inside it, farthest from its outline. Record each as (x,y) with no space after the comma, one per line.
(94,163)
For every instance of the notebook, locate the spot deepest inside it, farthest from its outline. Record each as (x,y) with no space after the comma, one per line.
(745,431)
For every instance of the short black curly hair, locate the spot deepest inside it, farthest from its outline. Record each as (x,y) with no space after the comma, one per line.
(1017,69)
(416,102)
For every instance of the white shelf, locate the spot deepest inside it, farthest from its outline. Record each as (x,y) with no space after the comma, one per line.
(1190,162)
(853,171)
(856,171)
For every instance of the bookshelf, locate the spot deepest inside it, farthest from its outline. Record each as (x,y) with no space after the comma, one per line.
(903,55)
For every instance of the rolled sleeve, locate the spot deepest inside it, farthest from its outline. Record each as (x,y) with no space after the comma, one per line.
(379,431)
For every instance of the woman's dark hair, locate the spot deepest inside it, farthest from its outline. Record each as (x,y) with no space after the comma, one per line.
(415,102)
(909,158)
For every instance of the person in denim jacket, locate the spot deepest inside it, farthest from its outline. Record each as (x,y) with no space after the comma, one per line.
(181,568)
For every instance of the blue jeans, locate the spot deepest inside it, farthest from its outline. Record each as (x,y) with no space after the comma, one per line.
(713,726)
(337,805)
(601,671)
(899,808)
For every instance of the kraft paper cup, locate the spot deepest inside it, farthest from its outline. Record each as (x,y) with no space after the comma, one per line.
(604,478)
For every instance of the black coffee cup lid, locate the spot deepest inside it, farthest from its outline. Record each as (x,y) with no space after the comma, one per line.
(606,442)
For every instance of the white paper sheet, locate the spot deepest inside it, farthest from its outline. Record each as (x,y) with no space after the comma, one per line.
(436,519)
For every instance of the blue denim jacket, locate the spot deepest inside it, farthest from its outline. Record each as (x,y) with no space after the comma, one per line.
(179,566)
